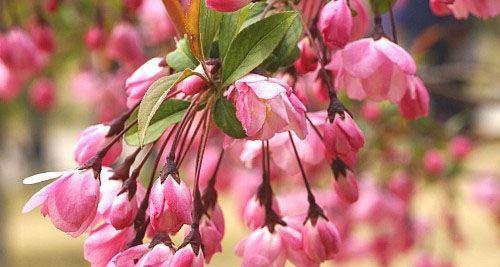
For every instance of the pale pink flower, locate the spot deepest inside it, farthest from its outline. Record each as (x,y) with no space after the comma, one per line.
(211,239)
(93,139)
(255,214)
(262,248)
(70,201)
(155,22)
(308,60)
(42,94)
(227,5)
(43,36)
(266,106)
(460,147)
(138,83)
(186,257)
(433,162)
(373,69)
(343,139)
(415,102)
(94,37)
(125,45)
(123,211)
(335,23)
(170,205)
(321,241)
(159,256)
(104,243)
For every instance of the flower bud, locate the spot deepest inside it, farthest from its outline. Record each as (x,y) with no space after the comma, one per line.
(211,239)
(308,61)
(227,5)
(335,23)
(160,255)
(123,211)
(344,182)
(138,83)
(91,141)
(433,162)
(193,84)
(460,147)
(125,45)
(43,35)
(415,102)
(321,241)
(42,94)
(94,38)
(186,257)
(255,214)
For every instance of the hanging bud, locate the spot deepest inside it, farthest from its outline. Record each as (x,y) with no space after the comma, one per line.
(42,94)
(123,211)
(344,182)
(94,38)
(433,162)
(91,141)
(321,240)
(308,60)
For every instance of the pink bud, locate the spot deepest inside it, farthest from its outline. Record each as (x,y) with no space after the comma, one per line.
(254,214)
(52,5)
(262,248)
(104,243)
(125,45)
(211,239)
(92,140)
(308,60)
(139,82)
(402,185)
(433,162)
(170,205)
(321,90)
(343,138)
(346,186)
(186,257)
(18,51)
(321,241)
(70,202)
(123,211)
(415,102)
(335,23)
(10,84)
(94,38)
(42,94)
(460,147)
(43,35)
(129,257)
(371,111)
(160,255)
(227,5)
(193,84)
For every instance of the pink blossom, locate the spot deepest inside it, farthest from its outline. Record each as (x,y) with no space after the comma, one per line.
(361,23)
(308,60)
(373,69)
(262,248)
(92,140)
(123,211)
(371,111)
(42,94)
(186,257)
(254,214)
(125,45)
(335,23)
(227,5)
(139,82)
(346,186)
(129,257)
(43,36)
(211,239)
(460,147)
(321,241)
(433,162)
(19,53)
(155,22)
(160,256)
(70,201)
(415,102)
(104,243)
(193,84)
(170,205)
(321,90)
(343,139)
(94,38)
(266,106)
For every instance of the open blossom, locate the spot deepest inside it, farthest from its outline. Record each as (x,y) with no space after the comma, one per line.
(343,139)
(308,60)
(104,243)
(170,205)
(186,257)
(227,5)
(70,201)
(123,211)
(92,140)
(321,241)
(125,45)
(266,106)
(415,102)
(42,94)
(139,82)
(373,69)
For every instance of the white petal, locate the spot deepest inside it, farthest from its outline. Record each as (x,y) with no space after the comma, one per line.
(42,177)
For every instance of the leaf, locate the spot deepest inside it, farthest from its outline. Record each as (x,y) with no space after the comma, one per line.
(171,111)
(224,116)
(193,29)
(154,97)
(254,44)
(384,5)
(285,54)
(175,12)
(209,26)
(181,58)
(229,27)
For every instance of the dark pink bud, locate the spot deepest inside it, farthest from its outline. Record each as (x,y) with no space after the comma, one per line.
(335,23)
(43,35)
(211,239)
(433,162)
(94,38)
(42,94)
(308,60)
(92,140)
(125,45)
(227,5)
(52,5)
(415,102)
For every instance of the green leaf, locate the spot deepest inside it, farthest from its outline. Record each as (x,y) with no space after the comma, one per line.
(224,116)
(153,98)
(384,5)
(209,26)
(229,27)
(254,44)
(286,53)
(171,111)
(181,58)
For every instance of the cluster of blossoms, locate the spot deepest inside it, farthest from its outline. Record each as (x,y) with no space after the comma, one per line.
(249,101)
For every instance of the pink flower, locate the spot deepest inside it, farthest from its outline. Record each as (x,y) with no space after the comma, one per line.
(266,106)
(321,241)
(139,82)
(193,84)
(42,94)
(123,211)
(227,5)
(361,23)
(160,255)
(104,243)
(343,139)
(170,205)
(433,162)
(371,111)
(129,257)
(335,23)
(374,69)
(254,214)
(18,51)
(262,248)
(211,239)
(70,202)
(415,102)
(308,60)
(94,38)
(460,147)
(345,185)
(155,22)
(125,45)
(92,140)
(43,36)
(186,257)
